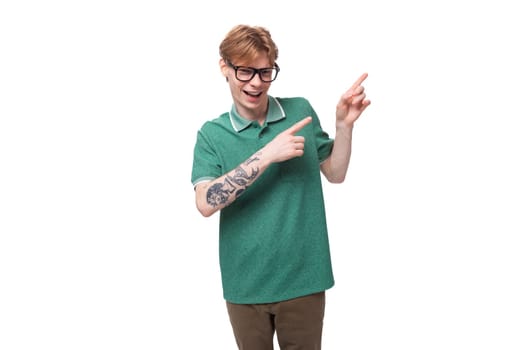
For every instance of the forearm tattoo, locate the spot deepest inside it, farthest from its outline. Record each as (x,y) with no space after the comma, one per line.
(236,182)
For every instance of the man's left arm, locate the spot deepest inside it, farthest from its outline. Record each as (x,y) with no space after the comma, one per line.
(349,108)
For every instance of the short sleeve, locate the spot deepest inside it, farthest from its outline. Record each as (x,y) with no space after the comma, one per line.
(206,165)
(323,140)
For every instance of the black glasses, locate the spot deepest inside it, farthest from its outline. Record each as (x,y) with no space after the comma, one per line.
(246,74)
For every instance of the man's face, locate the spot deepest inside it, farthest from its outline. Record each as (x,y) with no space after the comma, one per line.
(250,97)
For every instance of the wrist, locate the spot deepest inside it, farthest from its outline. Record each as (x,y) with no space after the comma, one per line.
(344,126)
(344,130)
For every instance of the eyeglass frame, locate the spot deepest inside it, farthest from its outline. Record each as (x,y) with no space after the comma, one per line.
(255,71)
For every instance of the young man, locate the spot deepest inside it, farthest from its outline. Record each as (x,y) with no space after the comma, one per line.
(259,165)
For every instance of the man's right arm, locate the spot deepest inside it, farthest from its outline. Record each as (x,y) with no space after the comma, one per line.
(214,195)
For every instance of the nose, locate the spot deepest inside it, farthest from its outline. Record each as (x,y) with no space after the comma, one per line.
(256,80)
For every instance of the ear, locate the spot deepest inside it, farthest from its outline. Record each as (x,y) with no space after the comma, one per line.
(224,68)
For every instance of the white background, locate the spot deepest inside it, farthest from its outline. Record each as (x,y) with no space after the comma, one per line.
(101,246)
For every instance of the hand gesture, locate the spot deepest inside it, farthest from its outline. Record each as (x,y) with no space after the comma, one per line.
(287,145)
(352,103)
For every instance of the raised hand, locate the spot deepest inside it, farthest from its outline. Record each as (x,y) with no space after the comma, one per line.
(352,103)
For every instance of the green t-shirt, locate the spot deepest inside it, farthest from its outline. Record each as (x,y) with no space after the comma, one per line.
(273,239)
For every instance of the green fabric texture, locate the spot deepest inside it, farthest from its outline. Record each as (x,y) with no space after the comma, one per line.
(273,240)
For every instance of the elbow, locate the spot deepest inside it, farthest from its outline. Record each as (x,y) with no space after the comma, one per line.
(206,214)
(337,179)
(333,174)
(205,210)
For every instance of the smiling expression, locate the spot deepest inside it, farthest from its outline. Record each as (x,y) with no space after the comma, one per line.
(251,97)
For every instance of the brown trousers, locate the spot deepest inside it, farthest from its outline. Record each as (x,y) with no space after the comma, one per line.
(298,323)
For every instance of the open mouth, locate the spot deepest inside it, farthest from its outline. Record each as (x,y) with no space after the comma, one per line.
(253,94)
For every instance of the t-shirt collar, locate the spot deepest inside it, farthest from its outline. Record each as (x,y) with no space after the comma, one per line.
(275,113)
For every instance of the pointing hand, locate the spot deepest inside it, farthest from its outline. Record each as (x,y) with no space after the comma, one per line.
(287,145)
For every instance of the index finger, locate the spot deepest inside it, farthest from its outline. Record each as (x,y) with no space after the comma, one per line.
(359,80)
(299,125)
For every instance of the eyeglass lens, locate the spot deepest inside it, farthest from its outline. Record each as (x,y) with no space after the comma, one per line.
(247,73)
